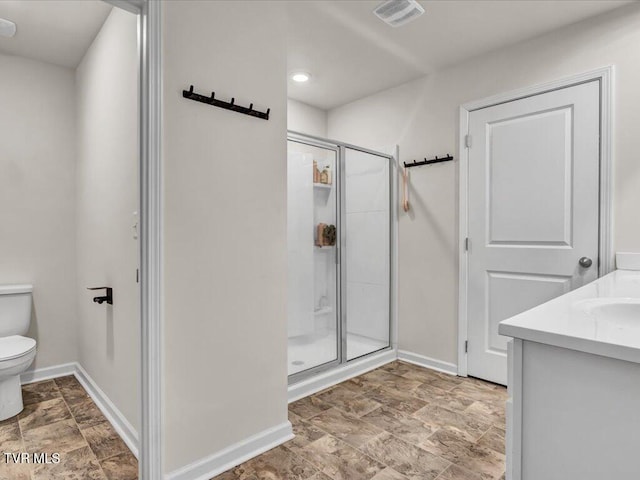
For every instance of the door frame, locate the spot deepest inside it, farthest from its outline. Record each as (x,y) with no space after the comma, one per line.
(604,76)
(150,436)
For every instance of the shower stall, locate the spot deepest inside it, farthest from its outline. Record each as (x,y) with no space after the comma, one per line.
(339,245)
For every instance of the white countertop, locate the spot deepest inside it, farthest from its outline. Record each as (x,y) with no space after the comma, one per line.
(574,320)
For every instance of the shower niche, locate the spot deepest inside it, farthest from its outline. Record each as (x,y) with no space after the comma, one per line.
(338,254)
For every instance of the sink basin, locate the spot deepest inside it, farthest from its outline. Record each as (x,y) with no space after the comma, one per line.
(600,318)
(614,309)
(623,314)
(616,319)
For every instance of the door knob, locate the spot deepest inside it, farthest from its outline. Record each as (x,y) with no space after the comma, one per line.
(585,262)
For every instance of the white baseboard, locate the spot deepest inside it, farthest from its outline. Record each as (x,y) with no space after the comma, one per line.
(47,373)
(234,455)
(121,425)
(426,362)
(109,410)
(331,377)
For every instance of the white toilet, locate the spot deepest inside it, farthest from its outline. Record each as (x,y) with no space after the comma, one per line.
(16,352)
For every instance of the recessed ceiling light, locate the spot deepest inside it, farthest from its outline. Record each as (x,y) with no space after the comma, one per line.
(7,28)
(300,77)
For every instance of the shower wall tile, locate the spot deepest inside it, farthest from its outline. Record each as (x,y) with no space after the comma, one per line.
(368,248)
(367,252)
(367,183)
(300,244)
(368,310)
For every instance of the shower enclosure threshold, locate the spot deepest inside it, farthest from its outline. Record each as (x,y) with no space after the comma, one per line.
(340,373)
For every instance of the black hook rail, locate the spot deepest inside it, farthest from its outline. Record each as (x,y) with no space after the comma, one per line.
(448,158)
(191,95)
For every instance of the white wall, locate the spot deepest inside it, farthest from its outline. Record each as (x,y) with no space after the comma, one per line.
(107,179)
(225,227)
(305,118)
(37,198)
(422,117)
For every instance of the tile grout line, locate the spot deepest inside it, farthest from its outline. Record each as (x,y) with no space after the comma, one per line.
(377,435)
(342,441)
(317,470)
(80,430)
(455,390)
(442,472)
(483,435)
(419,447)
(339,440)
(31,468)
(463,394)
(24,444)
(438,428)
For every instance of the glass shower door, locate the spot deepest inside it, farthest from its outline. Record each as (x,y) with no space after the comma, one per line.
(312,234)
(366,260)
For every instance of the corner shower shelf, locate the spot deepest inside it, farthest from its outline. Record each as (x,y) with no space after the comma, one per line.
(325,249)
(322,186)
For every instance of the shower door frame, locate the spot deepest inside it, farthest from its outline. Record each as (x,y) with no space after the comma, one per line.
(341,258)
(326,145)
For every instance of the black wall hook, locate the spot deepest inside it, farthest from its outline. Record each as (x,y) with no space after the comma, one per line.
(191,95)
(448,158)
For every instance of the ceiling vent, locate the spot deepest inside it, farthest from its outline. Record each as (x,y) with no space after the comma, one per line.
(398,12)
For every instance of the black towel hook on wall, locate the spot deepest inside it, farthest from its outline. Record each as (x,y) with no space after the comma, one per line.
(191,95)
(448,158)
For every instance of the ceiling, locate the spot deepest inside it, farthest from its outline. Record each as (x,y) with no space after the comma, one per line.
(350,53)
(58,32)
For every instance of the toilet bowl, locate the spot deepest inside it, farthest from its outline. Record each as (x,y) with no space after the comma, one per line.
(17,352)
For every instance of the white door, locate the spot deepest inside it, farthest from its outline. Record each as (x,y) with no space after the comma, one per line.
(533,211)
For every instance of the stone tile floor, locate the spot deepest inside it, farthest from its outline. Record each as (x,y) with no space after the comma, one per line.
(59,417)
(397,422)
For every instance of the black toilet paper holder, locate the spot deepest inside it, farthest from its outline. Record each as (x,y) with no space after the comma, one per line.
(106,298)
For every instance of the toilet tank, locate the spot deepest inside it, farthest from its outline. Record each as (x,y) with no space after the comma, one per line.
(15,309)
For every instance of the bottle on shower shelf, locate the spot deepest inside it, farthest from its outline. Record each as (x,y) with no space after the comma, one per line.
(324,177)
(316,172)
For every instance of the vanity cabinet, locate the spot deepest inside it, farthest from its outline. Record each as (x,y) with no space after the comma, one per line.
(573,408)
(571,415)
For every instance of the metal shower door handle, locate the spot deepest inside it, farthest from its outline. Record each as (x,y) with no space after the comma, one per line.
(585,262)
